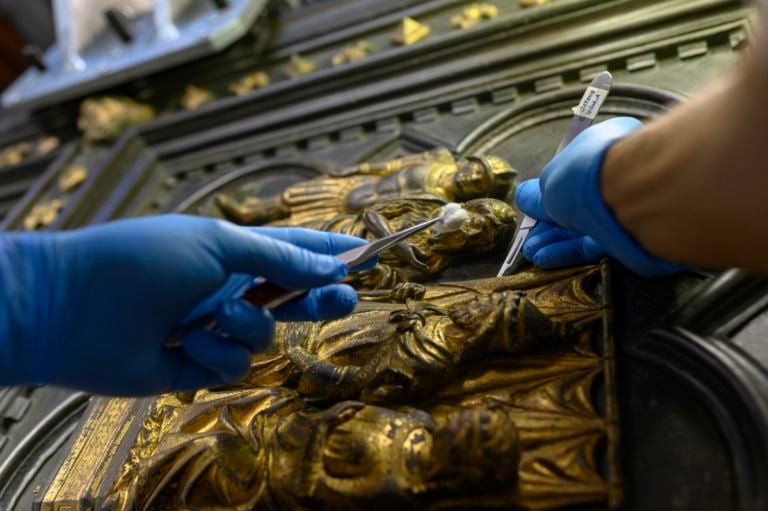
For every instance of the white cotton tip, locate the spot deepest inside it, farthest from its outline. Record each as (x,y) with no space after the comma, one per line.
(452,217)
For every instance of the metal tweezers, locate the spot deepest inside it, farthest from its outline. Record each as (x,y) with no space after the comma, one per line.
(584,114)
(266,294)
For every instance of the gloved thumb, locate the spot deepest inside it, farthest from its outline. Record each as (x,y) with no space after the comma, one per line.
(530,201)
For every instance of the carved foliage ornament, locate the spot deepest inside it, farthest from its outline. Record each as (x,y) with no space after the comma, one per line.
(299,66)
(250,82)
(352,53)
(194,97)
(410,31)
(18,152)
(474,14)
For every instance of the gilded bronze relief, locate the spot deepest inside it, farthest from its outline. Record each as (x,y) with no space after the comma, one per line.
(486,89)
(474,394)
(435,173)
(373,200)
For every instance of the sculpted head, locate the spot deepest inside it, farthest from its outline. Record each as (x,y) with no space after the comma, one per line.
(376,457)
(486,176)
(489,226)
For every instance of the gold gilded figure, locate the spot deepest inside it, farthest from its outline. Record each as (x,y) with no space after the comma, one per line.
(265,449)
(489,226)
(477,395)
(412,350)
(352,190)
(105,118)
(397,347)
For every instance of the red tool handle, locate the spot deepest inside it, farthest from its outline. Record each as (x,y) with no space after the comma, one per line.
(268,294)
(264,294)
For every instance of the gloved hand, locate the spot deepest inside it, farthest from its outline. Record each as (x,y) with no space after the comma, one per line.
(91,309)
(576,226)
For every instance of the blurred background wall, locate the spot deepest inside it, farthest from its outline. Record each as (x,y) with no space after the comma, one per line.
(22,22)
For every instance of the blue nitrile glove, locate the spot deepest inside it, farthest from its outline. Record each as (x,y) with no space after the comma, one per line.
(91,309)
(576,226)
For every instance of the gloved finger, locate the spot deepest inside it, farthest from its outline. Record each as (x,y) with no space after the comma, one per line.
(241,251)
(251,326)
(571,252)
(189,376)
(317,241)
(529,200)
(234,287)
(228,359)
(329,302)
(545,233)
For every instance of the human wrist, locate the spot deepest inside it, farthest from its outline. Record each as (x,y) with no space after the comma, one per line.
(642,179)
(629,174)
(664,182)
(608,231)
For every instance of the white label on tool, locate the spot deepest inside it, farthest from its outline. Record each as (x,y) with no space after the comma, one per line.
(590,103)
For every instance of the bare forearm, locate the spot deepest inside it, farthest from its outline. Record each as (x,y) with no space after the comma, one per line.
(692,186)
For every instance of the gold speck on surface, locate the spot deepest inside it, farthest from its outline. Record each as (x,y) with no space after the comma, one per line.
(298,66)
(37,489)
(532,3)
(353,52)
(72,177)
(249,82)
(410,31)
(14,154)
(43,215)
(46,144)
(474,14)
(194,97)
